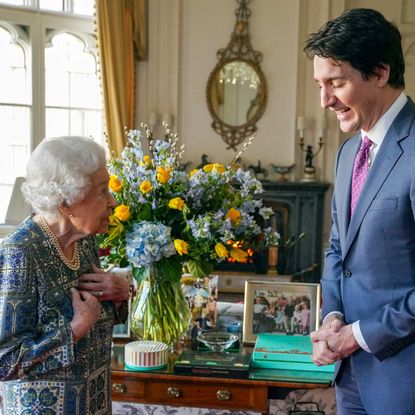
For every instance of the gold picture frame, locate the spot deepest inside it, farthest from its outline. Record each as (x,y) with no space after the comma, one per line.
(280,307)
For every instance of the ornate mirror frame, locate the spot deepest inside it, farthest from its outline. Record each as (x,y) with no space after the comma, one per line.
(239,49)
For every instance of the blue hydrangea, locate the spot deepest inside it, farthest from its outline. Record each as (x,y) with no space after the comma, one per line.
(148,242)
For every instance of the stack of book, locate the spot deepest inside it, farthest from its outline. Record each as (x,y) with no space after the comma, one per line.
(287,358)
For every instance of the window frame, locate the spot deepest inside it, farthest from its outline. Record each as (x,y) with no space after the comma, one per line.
(41,25)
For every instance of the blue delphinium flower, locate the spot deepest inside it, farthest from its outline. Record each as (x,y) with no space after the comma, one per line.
(134,147)
(271,237)
(266,212)
(201,227)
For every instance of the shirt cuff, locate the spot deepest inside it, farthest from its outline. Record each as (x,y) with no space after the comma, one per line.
(359,337)
(338,313)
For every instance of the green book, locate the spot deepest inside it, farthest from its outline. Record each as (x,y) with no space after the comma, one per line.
(213,364)
(279,351)
(303,376)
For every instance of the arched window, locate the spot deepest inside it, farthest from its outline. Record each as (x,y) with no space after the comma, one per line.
(15,110)
(72,92)
(85,7)
(49,83)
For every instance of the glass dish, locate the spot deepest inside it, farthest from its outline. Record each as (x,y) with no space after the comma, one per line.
(217,341)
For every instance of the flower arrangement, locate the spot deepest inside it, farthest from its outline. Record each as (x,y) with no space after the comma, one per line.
(169,219)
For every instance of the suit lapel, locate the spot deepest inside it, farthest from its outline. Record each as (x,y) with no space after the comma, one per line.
(345,182)
(388,154)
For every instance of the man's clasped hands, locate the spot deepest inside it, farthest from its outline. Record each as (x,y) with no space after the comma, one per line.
(333,341)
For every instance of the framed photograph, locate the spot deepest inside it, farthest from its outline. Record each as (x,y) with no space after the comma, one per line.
(201,295)
(123,330)
(280,307)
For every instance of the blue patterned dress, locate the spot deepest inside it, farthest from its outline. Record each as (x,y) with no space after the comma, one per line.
(42,372)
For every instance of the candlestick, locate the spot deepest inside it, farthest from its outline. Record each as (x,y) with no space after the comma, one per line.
(272,259)
(300,123)
(310,153)
(321,124)
(300,126)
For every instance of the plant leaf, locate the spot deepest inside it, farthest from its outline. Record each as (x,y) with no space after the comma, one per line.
(200,268)
(169,268)
(140,274)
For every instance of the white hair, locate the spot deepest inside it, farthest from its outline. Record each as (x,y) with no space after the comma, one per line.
(59,171)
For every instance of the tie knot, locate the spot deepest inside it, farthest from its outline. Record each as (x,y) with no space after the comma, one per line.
(366,142)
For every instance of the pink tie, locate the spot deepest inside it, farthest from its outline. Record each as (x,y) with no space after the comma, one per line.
(360,170)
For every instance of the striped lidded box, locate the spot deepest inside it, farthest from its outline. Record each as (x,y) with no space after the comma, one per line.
(146,355)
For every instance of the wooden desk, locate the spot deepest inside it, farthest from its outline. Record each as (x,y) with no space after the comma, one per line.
(165,388)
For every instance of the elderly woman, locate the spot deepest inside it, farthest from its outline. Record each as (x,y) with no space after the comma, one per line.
(57,307)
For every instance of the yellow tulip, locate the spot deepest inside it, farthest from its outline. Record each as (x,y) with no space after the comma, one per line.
(238,254)
(114,184)
(220,168)
(176,203)
(181,246)
(145,161)
(191,173)
(214,167)
(146,187)
(163,175)
(122,212)
(221,251)
(234,215)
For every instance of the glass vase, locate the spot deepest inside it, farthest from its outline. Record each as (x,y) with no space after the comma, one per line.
(160,311)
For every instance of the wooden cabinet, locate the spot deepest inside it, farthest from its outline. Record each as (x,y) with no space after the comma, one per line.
(200,392)
(166,388)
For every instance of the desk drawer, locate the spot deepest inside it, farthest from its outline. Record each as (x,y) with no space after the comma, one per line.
(127,389)
(208,395)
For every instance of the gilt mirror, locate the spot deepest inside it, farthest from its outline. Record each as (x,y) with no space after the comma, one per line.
(236,91)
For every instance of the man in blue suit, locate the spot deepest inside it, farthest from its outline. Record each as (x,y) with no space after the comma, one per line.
(368,281)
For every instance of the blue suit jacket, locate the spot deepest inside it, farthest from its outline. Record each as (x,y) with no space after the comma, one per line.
(369,271)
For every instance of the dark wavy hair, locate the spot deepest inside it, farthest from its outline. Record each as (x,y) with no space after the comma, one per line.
(364,39)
